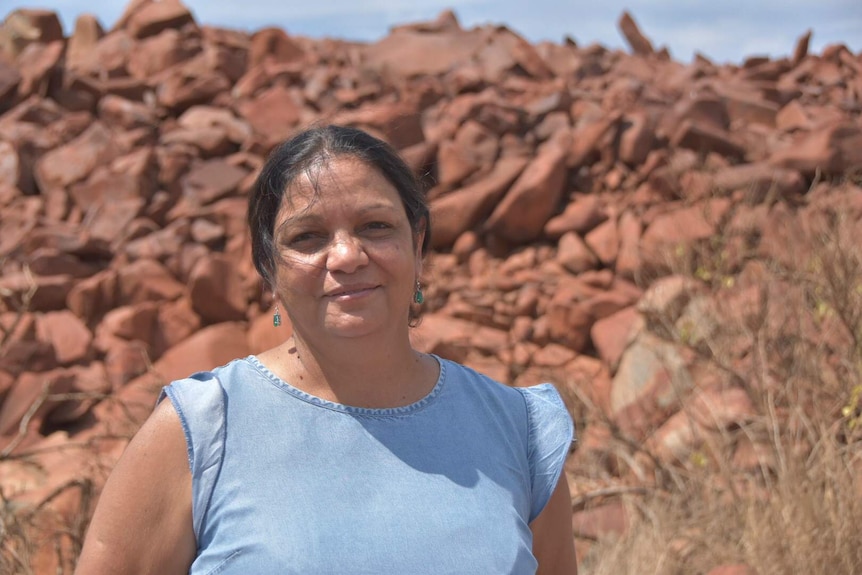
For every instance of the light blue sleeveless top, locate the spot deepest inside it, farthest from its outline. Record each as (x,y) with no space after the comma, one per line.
(285,482)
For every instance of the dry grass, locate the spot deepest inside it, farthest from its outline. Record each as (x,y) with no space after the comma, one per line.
(800,510)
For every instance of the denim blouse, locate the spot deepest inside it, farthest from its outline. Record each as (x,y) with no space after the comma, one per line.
(286,482)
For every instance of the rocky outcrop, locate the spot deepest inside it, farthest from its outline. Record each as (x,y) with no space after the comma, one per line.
(571,189)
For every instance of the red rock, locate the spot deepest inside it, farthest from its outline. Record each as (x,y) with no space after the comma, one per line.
(146,280)
(720,408)
(607,303)
(91,382)
(130,177)
(180,91)
(19,220)
(156,54)
(10,79)
(74,161)
(552,355)
(443,335)
(702,137)
(676,440)
(109,58)
(456,213)
(574,254)
(581,215)
(212,180)
(702,109)
(678,229)
(124,361)
(90,298)
(599,522)
(275,44)
(832,150)
(112,221)
(504,53)
(793,116)
(588,138)
(666,298)
(118,111)
(628,262)
(23,27)
(567,323)
(67,334)
(150,17)
(733,569)
(34,293)
(398,124)
(83,41)
(604,242)
(206,232)
(37,64)
(160,244)
(745,109)
(473,148)
(202,117)
(210,347)
(639,43)
(759,181)
(408,53)
(176,321)
(6,382)
(27,398)
(131,322)
(649,380)
(800,51)
(637,139)
(611,334)
(216,291)
(525,209)
(272,115)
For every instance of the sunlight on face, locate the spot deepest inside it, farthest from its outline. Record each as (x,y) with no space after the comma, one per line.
(348,260)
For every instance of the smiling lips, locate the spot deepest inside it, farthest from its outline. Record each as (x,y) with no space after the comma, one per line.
(351,291)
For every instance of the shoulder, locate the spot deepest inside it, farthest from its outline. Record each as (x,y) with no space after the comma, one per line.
(209,385)
(469,380)
(536,400)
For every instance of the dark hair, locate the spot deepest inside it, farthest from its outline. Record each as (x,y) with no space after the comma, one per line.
(292,157)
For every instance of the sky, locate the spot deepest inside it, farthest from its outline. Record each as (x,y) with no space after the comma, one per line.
(722,30)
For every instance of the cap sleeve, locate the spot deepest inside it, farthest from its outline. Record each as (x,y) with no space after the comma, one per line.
(199,400)
(551,433)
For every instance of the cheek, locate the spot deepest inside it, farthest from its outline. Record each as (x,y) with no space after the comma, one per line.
(295,278)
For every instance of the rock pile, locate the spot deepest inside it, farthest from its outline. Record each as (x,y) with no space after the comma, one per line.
(569,185)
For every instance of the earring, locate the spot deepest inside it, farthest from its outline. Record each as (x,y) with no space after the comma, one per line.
(418,297)
(276,317)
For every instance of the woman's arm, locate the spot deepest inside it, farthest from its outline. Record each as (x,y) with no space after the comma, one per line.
(553,539)
(143,521)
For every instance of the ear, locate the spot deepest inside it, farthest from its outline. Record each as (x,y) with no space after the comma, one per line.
(419,236)
(418,239)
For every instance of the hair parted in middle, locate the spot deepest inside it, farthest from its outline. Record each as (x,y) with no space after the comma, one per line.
(316,146)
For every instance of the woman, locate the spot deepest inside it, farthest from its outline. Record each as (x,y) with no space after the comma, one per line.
(342,450)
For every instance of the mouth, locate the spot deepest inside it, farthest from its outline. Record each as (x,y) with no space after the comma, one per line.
(351,291)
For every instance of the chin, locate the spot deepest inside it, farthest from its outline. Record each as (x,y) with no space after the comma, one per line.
(354,327)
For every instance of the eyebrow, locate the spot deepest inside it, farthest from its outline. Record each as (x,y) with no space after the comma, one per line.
(305,217)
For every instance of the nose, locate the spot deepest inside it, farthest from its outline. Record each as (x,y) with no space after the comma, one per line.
(346,253)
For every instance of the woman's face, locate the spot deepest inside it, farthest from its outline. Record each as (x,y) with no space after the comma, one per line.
(347,258)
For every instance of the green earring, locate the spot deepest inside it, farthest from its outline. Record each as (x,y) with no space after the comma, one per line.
(417,296)
(276,317)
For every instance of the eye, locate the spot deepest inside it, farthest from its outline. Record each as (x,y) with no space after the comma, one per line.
(304,241)
(378,226)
